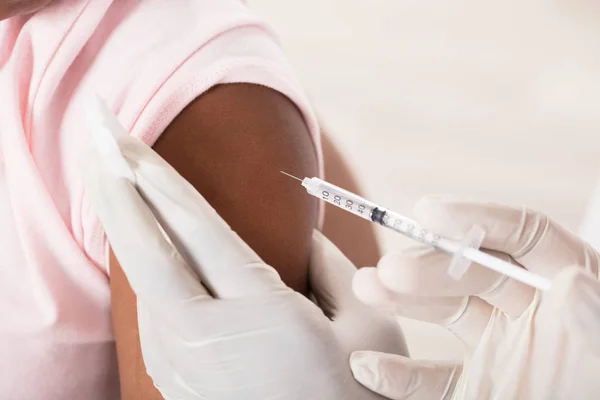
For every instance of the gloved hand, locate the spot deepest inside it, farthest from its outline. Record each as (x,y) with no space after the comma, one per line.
(215,321)
(522,344)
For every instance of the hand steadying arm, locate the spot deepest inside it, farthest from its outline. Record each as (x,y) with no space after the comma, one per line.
(230,144)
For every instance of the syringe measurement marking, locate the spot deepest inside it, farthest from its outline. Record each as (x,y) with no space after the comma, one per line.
(337,199)
(408,229)
(349,204)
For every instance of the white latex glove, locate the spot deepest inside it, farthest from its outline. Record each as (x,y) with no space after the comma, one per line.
(522,344)
(215,321)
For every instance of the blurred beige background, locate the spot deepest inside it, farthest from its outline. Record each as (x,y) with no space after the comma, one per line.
(493,100)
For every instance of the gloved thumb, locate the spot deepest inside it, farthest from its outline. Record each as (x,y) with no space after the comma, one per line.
(330,275)
(401,378)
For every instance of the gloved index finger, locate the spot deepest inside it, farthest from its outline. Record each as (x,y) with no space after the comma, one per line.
(156,273)
(534,240)
(421,271)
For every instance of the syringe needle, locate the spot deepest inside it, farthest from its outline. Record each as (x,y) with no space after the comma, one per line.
(291,176)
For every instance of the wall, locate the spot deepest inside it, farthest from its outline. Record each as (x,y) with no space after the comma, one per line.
(492,100)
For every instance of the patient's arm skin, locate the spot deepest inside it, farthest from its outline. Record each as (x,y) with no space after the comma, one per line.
(231,143)
(354,236)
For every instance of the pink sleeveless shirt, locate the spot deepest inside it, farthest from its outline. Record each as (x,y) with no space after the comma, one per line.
(148,59)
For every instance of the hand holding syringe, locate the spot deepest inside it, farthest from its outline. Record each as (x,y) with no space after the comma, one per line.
(464,252)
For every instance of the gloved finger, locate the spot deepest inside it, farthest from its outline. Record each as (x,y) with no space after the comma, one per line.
(157,364)
(534,240)
(422,271)
(356,324)
(401,378)
(106,129)
(155,271)
(160,362)
(466,317)
(576,296)
(224,262)
(330,275)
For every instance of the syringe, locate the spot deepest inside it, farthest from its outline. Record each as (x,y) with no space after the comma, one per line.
(464,252)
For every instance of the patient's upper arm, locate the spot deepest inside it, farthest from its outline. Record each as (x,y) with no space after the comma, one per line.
(231,144)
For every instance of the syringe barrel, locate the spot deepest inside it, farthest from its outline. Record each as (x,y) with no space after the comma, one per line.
(363,208)
(339,197)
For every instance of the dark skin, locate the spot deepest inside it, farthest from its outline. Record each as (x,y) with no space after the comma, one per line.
(230,144)
(11,8)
